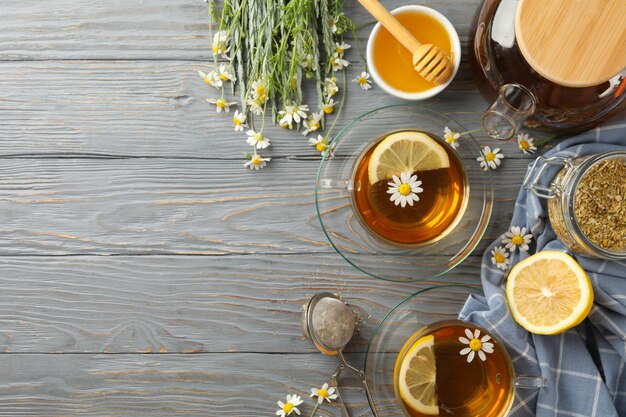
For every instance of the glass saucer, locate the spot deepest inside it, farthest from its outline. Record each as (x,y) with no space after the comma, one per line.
(354,241)
(442,302)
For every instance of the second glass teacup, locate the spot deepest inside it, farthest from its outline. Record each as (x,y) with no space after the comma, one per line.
(418,224)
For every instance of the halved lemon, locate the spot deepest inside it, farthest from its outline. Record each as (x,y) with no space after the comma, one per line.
(417,378)
(407,151)
(548,293)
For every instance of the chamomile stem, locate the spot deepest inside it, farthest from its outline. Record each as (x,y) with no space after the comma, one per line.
(314,409)
(343,99)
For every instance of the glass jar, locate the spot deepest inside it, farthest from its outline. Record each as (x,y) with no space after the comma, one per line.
(585,208)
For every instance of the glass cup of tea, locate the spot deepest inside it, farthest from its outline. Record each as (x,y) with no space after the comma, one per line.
(423,361)
(390,185)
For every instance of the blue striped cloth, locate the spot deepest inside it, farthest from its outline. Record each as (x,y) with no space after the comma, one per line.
(576,387)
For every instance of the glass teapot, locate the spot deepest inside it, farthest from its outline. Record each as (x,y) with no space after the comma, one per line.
(558,64)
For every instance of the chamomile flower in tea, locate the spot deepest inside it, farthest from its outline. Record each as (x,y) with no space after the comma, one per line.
(405,189)
(476,345)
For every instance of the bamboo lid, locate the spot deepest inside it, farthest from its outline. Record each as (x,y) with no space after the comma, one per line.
(575,43)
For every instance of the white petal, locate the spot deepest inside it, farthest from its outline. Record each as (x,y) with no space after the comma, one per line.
(413,179)
(469,334)
(485,338)
(403,201)
(464,340)
(465,351)
(476,333)
(482,356)
(296,410)
(281,404)
(470,357)
(396,180)
(488,347)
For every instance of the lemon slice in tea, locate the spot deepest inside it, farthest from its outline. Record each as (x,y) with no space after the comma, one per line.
(548,293)
(407,151)
(417,378)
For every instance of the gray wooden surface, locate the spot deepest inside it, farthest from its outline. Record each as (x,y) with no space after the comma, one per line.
(143,270)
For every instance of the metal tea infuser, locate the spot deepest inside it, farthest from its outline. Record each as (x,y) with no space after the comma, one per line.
(329,324)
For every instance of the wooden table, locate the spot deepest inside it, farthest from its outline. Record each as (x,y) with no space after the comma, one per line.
(143,270)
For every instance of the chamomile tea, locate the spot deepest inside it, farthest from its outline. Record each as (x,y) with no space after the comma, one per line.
(412,188)
(455,369)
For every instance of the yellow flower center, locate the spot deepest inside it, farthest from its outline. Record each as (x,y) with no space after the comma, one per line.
(490,157)
(287,408)
(404,189)
(321,146)
(328,109)
(237,121)
(256,160)
(362,80)
(221,103)
(524,145)
(499,259)
(215,49)
(224,77)
(517,240)
(475,344)
(322,393)
(260,90)
(258,137)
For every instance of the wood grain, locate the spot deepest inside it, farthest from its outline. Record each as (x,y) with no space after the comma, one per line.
(166,385)
(169,206)
(159,29)
(169,304)
(158,109)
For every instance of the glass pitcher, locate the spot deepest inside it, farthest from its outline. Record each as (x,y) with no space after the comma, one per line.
(515,75)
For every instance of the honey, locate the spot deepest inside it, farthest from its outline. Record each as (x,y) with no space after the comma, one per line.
(463,389)
(394,63)
(440,204)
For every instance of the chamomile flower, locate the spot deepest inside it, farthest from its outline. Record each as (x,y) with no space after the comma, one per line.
(451,137)
(258,139)
(476,345)
(226,73)
(323,393)
(221,43)
(526,144)
(259,90)
(320,143)
(364,81)
(307,61)
(405,189)
(337,62)
(257,162)
(340,48)
(291,406)
(211,78)
(312,123)
(517,237)
(500,258)
(292,113)
(490,159)
(330,87)
(332,23)
(256,106)
(221,104)
(329,106)
(239,119)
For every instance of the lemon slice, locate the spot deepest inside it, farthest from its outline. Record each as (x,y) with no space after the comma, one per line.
(418,374)
(548,293)
(407,151)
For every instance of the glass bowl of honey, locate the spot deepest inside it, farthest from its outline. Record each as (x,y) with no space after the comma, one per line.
(391,64)
(396,200)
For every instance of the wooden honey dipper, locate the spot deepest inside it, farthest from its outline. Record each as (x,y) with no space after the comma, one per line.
(428,60)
